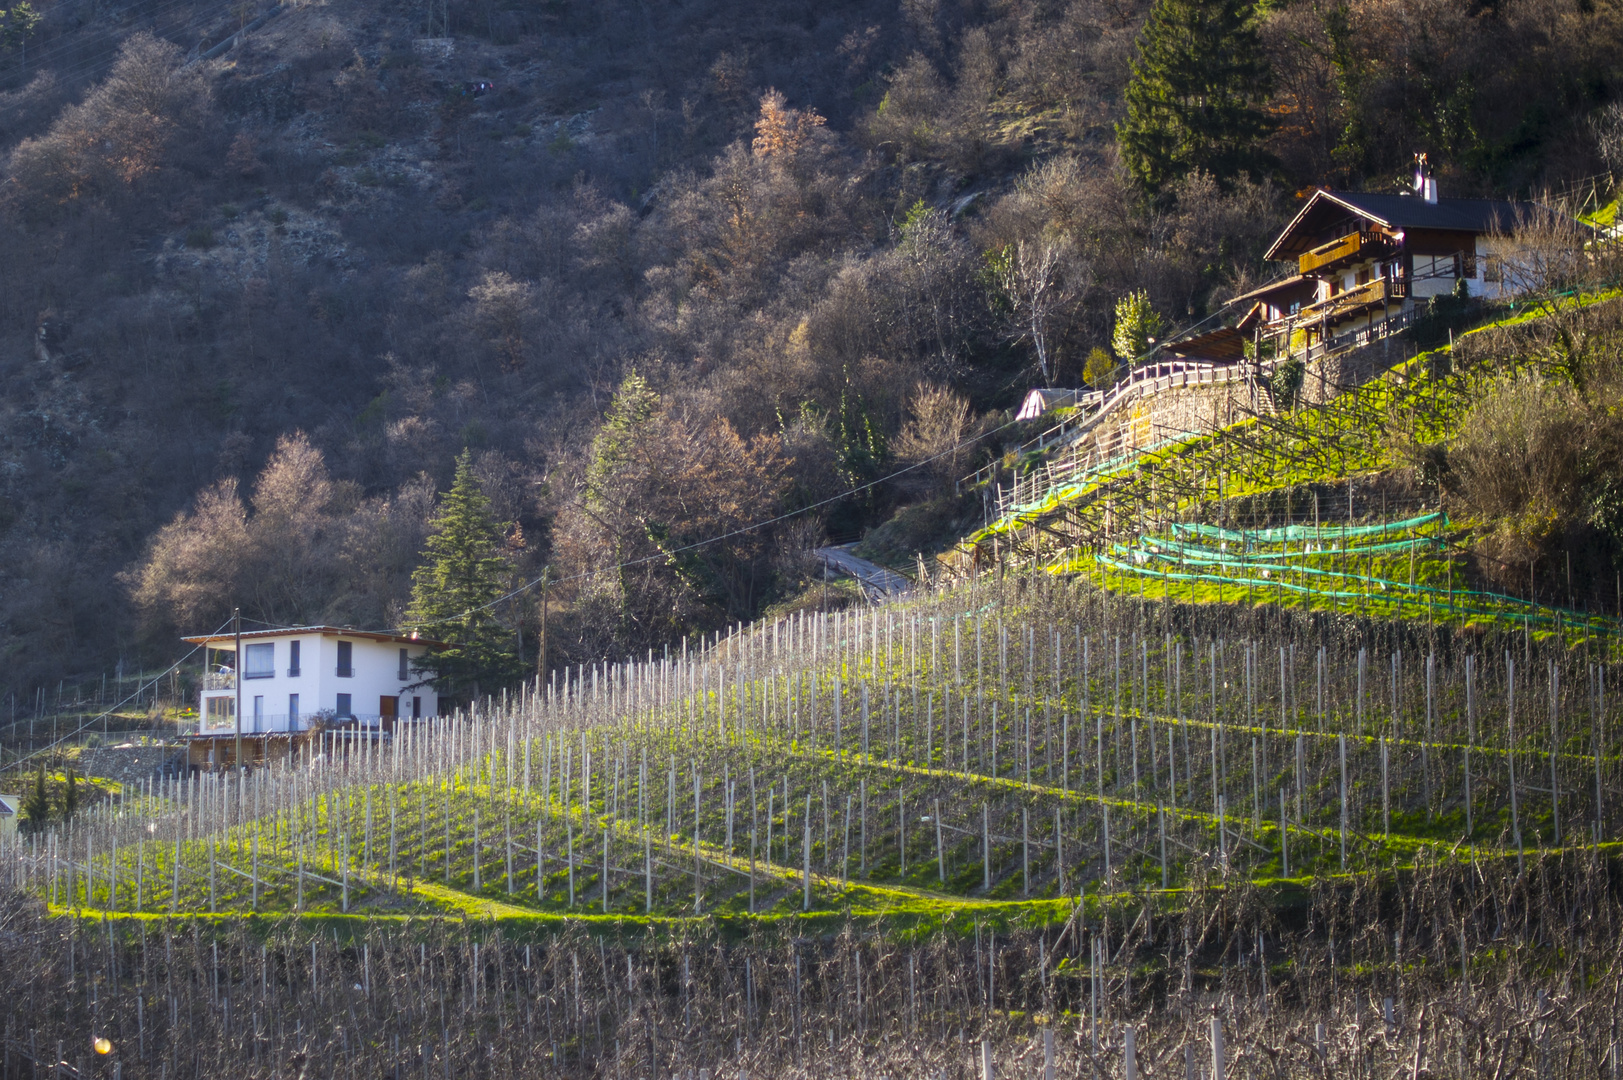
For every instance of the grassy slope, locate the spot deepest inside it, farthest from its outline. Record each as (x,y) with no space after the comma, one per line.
(1360,436)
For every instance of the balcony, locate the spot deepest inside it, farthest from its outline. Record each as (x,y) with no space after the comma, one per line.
(1354,247)
(1374,294)
(273,723)
(220,680)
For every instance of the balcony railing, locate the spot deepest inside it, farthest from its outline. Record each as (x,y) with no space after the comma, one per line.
(268,723)
(1348,248)
(1371,294)
(220,680)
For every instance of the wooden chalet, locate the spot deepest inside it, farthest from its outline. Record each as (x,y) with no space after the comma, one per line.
(1362,265)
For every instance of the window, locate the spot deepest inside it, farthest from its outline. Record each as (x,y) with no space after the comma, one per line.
(259,710)
(293,660)
(404,671)
(1493,270)
(346,659)
(343,705)
(292,710)
(416,708)
(260,661)
(220,712)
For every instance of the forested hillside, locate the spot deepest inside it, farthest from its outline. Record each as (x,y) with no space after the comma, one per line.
(682,267)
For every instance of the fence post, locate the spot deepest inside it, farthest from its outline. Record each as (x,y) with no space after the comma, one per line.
(986,850)
(940,853)
(1129,1054)
(1341,743)
(1217,1047)
(986,1060)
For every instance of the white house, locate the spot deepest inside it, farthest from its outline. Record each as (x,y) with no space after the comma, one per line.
(348,678)
(10,808)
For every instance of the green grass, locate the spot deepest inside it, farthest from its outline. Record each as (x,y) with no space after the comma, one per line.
(1270,466)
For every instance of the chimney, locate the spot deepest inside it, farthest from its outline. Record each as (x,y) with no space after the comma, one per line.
(1424,185)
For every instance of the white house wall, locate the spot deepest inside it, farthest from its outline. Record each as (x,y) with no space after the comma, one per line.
(375,675)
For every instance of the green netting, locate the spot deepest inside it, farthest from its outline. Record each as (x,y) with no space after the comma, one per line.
(1196,551)
(1287,533)
(1245,572)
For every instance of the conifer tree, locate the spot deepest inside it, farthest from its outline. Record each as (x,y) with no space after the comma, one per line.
(70,797)
(634,404)
(37,806)
(1195,95)
(453,593)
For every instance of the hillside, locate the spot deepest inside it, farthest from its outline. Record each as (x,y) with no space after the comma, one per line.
(278,290)
(1464,488)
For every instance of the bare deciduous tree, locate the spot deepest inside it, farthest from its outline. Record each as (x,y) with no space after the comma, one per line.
(1041,279)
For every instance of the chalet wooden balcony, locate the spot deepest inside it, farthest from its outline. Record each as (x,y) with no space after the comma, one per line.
(1377,293)
(1354,247)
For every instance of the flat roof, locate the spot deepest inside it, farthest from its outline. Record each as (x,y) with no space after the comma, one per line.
(320,631)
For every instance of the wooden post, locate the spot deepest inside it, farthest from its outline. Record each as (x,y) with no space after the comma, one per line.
(1161,813)
(1386,795)
(1284,839)
(1025,851)
(1341,743)
(986,849)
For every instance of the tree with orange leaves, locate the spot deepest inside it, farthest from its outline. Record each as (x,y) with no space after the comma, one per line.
(781,132)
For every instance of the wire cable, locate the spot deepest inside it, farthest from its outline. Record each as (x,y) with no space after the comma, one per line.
(140,687)
(740,531)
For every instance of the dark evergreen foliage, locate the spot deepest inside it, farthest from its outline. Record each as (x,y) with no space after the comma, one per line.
(1195,99)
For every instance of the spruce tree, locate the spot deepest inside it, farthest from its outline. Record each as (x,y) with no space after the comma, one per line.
(453,593)
(70,797)
(1194,101)
(37,806)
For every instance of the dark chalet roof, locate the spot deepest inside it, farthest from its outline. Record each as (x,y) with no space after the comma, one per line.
(1226,344)
(1290,286)
(1396,212)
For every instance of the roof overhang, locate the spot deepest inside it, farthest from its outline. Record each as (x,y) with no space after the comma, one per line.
(1284,285)
(1397,213)
(1319,196)
(319,631)
(1225,344)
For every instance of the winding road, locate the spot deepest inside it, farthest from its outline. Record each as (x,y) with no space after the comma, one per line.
(878,583)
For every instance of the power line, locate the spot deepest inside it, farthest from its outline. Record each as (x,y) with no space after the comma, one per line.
(99,58)
(741,531)
(140,687)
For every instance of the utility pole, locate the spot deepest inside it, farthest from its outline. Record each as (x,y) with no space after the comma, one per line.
(541,652)
(236,680)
